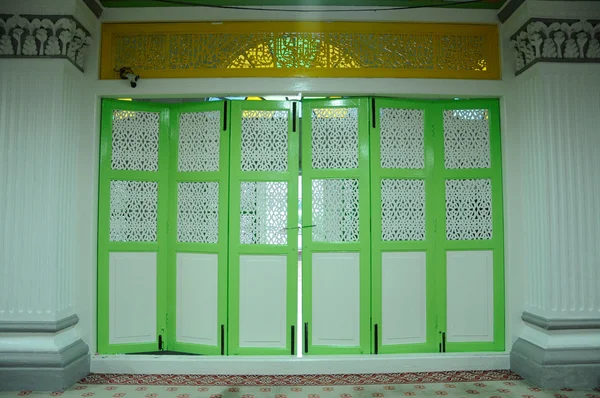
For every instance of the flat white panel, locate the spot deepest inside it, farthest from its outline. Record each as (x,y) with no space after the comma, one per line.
(263,299)
(470,296)
(132,298)
(197,298)
(336,299)
(403,298)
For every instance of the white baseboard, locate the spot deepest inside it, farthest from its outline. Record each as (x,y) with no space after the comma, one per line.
(261,365)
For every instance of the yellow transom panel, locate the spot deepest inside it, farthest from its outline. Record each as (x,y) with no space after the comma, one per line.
(301,49)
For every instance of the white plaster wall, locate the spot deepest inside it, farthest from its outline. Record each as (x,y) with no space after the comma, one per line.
(514,264)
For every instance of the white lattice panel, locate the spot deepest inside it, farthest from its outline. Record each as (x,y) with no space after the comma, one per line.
(198,212)
(263,213)
(467,139)
(335,138)
(135,140)
(469,209)
(133,211)
(402,144)
(264,141)
(199,140)
(335,210)
(402,210)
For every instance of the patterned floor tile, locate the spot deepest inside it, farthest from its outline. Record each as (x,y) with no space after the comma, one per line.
(496,384)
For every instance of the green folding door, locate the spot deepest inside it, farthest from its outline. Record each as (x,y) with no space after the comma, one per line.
(132,227)
(437,237)
(403,227)
(469,240)
(336,230)
(263,246)
(197,229)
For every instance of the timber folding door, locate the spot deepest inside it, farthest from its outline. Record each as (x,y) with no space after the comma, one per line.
(263,246)
(470,254)
(401,227)
(197,228)
(336,233)
(162,236)
(132,227)
(437,241)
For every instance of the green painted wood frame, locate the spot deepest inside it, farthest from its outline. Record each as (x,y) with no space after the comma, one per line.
(496,244)
(105,246)
(378,246)
(174,247)
(237,176)
(362,246)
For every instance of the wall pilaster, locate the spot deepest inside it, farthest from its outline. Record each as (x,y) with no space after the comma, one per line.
(41,75)
(555,97)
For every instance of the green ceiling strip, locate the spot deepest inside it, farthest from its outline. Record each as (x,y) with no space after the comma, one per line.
(486,4)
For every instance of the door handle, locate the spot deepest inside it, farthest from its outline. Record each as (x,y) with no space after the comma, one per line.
(303,226)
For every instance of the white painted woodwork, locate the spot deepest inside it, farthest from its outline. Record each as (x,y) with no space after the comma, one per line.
(469,296)
(197,298)
(263,301)
(403,298)
(39,130)
(335,299)
(132,297)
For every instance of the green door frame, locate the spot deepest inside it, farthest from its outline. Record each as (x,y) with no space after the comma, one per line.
(222,177)
(378,246)
(496,244)
(362,246)
(105,246)
(237,176)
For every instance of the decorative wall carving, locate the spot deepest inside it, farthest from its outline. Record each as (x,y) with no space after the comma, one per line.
(44,36)
(301,49)
(551,40)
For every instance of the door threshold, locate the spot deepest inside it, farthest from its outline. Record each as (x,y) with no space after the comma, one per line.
(287,365)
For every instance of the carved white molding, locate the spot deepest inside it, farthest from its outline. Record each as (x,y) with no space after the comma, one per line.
(550,40)
(43,36)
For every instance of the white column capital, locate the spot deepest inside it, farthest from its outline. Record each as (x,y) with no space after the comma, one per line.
(552,31)
(46,29)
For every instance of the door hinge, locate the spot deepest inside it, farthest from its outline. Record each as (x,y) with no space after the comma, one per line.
(222,339)
(306,337)
(435,225)
(294,116)
(433,130)
(376,338)
(167,320)
(373,112)
(160,342)
(293,340)
(225,116)
(443,341)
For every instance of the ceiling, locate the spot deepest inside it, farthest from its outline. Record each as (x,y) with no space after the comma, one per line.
(493,4)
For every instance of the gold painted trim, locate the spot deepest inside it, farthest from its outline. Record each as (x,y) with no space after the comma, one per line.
(301,49)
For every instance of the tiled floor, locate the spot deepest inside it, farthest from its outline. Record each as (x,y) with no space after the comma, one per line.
(499,384)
